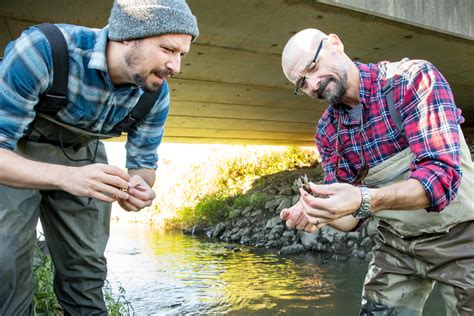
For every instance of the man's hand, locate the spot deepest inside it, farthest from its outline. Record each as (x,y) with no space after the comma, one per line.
(99,181)
(140,195)
(340,199)
(295,217)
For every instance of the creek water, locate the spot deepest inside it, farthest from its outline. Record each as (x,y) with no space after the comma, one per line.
(170,273)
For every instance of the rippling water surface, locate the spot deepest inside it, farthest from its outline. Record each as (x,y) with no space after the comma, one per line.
(165,273)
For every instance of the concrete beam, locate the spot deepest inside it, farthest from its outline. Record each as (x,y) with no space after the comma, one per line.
(454,17)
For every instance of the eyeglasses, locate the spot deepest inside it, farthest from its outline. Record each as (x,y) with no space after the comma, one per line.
(362,172)
(301,83)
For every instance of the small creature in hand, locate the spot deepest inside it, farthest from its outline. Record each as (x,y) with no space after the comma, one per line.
(303,182)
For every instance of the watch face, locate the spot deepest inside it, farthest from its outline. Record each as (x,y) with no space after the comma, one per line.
(361,213)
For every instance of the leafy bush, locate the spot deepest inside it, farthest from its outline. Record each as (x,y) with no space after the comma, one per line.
(207,193)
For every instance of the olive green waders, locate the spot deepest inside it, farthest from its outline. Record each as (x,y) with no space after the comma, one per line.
(414,249)
(76,231)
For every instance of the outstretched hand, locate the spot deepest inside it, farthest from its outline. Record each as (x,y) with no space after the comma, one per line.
(140,195)
(295,217)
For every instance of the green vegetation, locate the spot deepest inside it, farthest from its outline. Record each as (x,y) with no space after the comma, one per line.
(233,185)
(45,299)
(117,304)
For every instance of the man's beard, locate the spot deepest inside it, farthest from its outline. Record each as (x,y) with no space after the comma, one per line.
(132,59)
(339,88)
(140,80)
(334,95)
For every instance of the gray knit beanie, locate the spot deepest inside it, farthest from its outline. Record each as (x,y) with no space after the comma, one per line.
(133,19)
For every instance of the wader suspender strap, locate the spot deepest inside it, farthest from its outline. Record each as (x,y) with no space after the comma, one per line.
(143,106)
(387,90)
(55,98)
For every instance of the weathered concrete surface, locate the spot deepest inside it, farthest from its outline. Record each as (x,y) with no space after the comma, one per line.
(453,17)
(232,90)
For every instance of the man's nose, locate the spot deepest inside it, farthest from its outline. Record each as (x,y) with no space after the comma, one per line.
(312,84)
(174,64)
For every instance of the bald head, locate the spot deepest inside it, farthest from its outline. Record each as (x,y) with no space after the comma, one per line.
(299,50)
(318,66)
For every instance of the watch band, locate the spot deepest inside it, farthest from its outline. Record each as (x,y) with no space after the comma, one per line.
(365,205)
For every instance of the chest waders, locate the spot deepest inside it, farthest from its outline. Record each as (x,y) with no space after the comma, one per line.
(414,248)
(76,228)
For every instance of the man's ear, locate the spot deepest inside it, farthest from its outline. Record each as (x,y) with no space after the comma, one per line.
(335,42)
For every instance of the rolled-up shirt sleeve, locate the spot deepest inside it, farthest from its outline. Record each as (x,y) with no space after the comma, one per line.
(25,74)
(142,143)
(431,122)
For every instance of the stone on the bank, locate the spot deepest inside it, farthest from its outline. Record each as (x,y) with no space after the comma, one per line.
(353,236)
(273,244)
(309,239)
(319,247)
(247,240)
(328,234)
(220,228)
(240,233)
(235,237)
(241,223)
(256,213)
(272,222)
(275,232)
(292,249)
(289,234)
(272,204)
(226,235)
(285,203)
(234,213)
(247,210)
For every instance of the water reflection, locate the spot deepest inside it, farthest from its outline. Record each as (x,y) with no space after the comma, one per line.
(177,274)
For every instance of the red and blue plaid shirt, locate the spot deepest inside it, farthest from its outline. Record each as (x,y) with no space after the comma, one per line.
(430,122)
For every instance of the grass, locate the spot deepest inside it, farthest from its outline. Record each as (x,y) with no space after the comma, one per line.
(207,200)
(45,299)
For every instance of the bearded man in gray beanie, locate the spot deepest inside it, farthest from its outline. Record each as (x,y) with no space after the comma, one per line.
(51,123)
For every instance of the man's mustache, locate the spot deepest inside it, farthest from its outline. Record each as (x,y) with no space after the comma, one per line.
(322,87)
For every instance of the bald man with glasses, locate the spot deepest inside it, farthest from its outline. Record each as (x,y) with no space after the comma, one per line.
(392,149)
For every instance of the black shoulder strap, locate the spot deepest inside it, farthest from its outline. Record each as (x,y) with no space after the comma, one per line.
(143,106)
(388,92)
(55,98)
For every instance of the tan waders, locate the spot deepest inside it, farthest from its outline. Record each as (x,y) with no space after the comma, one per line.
(76,230)
(415,249)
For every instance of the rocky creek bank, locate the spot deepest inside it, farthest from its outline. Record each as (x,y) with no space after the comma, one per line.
(262,226)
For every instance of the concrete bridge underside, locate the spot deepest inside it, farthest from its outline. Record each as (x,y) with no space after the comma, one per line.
(232,90)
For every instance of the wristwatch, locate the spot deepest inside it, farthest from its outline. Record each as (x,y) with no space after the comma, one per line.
(366,205)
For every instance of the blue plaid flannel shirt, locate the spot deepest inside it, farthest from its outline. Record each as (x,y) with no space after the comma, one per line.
(94,105)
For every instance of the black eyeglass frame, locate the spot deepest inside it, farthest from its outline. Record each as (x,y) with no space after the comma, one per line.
(298,88)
